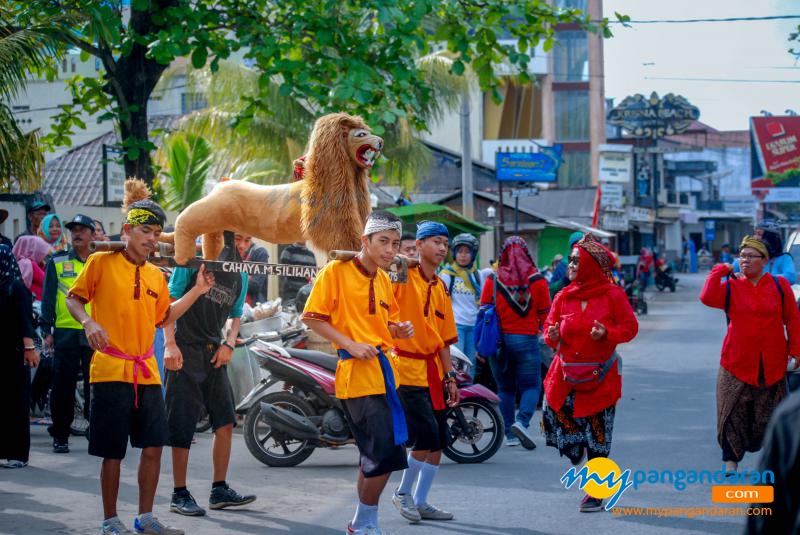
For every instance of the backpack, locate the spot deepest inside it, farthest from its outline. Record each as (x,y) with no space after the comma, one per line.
(488,336)
(728,296)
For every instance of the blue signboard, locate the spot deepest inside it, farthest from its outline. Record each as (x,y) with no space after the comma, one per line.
(711,230)
(539,166)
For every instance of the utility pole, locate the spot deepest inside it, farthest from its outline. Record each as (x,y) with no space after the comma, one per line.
(467,195)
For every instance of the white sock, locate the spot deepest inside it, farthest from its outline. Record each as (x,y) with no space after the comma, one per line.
(364,515)
(410,475)
(145,518)
(426,475)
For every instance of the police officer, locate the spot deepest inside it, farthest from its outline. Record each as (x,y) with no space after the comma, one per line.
(64,333)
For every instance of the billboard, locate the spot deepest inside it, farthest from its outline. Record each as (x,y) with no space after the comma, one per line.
(539,166)
(653,117)
(776,150)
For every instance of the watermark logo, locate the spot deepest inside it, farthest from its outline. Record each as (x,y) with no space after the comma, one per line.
(600,478)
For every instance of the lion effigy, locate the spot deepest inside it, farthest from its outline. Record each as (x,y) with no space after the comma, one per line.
(328,206)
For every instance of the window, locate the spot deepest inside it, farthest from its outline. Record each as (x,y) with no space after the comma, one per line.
(575,169)
(192,102)
(518,116)
(571,57)
(573,4)
(572,115)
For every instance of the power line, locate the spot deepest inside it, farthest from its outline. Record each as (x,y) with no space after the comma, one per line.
(731,80)
(692,21)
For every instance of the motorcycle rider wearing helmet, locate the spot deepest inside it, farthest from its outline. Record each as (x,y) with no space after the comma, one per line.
(352,306)
(780,263)
(463,281)
(422,363)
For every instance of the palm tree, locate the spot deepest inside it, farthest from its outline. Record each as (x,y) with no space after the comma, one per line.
(261,147)
(185,160)
(22,51)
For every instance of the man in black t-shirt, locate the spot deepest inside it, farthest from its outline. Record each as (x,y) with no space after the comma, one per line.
(195,360)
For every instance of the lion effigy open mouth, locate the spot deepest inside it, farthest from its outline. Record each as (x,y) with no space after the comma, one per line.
(367,154)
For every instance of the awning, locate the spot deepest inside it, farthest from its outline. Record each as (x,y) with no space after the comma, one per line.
(411,214)
(574,225)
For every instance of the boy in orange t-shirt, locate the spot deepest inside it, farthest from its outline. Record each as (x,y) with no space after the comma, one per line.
(423,362)
(130,298)
(352,306)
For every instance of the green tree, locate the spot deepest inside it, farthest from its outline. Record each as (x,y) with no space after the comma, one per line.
(22,50)
(353,55)
(186,160)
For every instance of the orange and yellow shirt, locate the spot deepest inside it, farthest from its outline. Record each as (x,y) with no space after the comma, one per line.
(360,305)
(426,304)
(128,301)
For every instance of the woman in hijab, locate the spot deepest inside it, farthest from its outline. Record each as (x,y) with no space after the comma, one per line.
(463,281)
(761,312)
(31,253)
(522,302)
(587,321)
(15,378)
(52,232)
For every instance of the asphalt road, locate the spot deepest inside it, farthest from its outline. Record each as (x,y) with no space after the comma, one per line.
(665,421)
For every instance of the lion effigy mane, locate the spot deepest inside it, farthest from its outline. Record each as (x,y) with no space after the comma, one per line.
(327,207)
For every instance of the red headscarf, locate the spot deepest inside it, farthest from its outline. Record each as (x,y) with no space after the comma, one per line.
(594,264)
(514,271)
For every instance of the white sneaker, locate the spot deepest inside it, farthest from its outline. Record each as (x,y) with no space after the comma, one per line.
(405,504)
(524,436)
(511,442)
(429,512)
(114,527)
(154,527)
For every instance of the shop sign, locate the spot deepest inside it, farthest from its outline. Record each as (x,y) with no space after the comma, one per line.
(654,117)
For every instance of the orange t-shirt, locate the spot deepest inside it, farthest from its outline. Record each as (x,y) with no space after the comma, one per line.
(426,304)
(129,314)
(360,305)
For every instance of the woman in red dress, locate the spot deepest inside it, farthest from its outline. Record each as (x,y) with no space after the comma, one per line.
(756,353)
(587,321)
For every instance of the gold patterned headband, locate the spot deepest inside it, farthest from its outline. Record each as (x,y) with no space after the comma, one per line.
(142,216)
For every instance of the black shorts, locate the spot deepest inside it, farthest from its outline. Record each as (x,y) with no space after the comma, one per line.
(427,428)
(185,397)
(370,420)
(113,419)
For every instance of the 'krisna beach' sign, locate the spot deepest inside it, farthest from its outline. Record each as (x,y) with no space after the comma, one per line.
(653,117)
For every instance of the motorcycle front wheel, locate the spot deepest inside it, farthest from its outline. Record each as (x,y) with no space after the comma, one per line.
(270,446)
(482,436)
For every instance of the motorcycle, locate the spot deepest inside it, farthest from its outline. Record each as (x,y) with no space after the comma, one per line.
(293,337)
(282,428)
(664,277)
(633,289)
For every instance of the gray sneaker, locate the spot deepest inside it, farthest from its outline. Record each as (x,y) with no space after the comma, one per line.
(524,436)
(114,527)
(429,512)
(405,504)
(154,527)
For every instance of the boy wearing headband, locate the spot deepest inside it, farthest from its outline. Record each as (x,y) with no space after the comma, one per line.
(130,297)
(352,306)
(423,362)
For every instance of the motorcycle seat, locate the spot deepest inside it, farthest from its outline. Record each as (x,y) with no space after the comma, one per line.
(323,360)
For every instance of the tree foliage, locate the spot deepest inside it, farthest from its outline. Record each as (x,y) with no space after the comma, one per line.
(22,50)
(357,56)
(186,160)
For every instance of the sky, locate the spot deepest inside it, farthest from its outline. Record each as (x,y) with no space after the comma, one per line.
(750,50)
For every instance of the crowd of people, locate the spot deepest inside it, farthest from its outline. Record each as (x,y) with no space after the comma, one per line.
(395,377)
